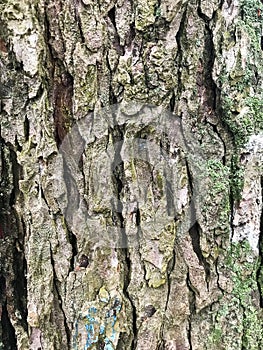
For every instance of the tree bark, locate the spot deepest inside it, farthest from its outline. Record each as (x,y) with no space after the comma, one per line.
(131,174)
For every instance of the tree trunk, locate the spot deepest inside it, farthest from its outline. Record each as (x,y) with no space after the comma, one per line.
(131,174)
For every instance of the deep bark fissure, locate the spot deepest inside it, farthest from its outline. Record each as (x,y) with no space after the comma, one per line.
(26,128)
(72,192)
(127,295)
(170,269)
(113,100)
(195,237)
(220,136)
(179,57)
(118,181)
(52,28)
(20,284)
(78,19)
(172,102)
(208,64)
(190,184)
(9,339)
(62,103)
(16,171)
(192,294)
(189,335)
(81,169)
(74,249)
(42,195)
(13,268)
(72,189)
(218,277)
(132,35)
(259,275)
(201,14)
(111,15)
(4,168)
(60,83)
(165,149)
(192,308)
(17,145)
(232,203)
(59,299)
(211,104)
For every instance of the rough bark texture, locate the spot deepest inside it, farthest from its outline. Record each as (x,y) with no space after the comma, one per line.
(173,172)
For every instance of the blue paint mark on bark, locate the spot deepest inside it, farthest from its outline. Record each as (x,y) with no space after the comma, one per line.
(97,325)
(91,337)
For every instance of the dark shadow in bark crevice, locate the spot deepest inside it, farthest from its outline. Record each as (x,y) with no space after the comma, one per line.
(260,267)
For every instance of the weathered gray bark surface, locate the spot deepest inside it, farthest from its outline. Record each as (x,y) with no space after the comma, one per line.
(161,193)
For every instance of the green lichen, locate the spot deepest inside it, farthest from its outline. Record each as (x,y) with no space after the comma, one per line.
(219,176)
(156,280)
(255,105)
(159,179)
(249,10)
(236,178)
(217,180)
(244,267)
(239,125)
(242,125)
(215,337)
(241,96)
(145,13)
(238,307)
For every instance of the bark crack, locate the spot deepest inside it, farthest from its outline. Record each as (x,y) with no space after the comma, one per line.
(126,293)
(195,237)
(232,204)
(169,281)
(259,275)
(13,292)
(116,38)
(218,277)
(8,332)
(60,299)
(74,247)
(118,180)
(59,79)
(78,19)
(192,308)
(179,56)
